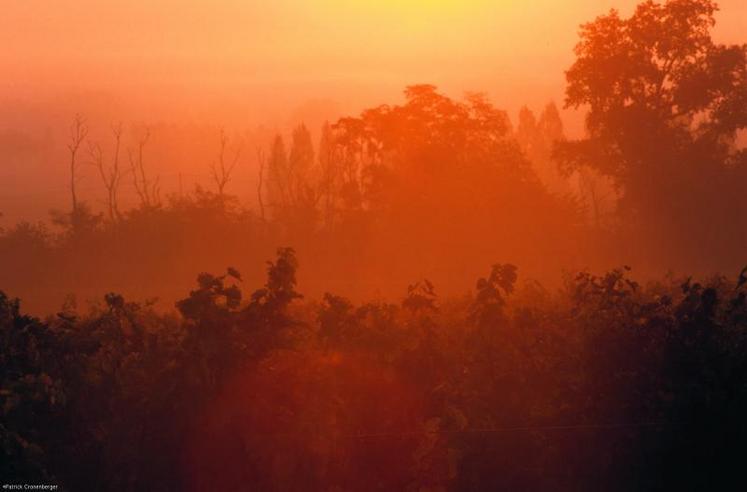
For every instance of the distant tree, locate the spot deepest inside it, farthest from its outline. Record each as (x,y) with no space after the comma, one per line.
(78,133)
(222,169)
(111,175)
(551,124)
(301,158)
(292,182)
(303,179)
(328,173)
(537,138)
(527,132)
(421,296)
(492,293)
(423,141)
(277,179)
(147,188)
(261,164)
(435,170)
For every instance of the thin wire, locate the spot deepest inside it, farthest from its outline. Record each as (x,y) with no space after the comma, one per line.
(495,430)
(491,430)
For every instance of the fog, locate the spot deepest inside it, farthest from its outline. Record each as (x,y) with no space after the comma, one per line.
(241,65)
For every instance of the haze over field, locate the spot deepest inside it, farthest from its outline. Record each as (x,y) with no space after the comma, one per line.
(200,65)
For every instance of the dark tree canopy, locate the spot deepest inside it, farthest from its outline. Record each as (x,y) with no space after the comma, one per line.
(656,79)
(665,105)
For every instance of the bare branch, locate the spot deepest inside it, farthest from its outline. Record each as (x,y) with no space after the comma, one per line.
(221,170)
(147,189)
(261,160)
(78,133)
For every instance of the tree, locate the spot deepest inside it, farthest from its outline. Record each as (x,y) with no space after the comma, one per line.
(526,131)
(658,88)
(261,163)
(492,292)
(328,173)
(665,104)
(277,179)
(551,124)
(223,167)
(537,138)
(148,189)
(432,171)
(81,219)
(280,289)
(302,181)
(291,181)
(301,158)
(111,175)
(78,133)
(421,296)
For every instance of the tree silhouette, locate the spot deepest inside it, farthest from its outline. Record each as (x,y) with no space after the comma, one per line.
(654,81)
(111,175)
(278,177)
(261,164)
(148,189)
(222,169)
(665,104)
(78,133)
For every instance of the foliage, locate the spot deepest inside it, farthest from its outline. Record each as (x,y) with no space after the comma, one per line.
(607,382)
(666,104)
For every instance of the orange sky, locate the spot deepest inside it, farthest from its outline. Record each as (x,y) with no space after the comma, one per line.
(270,56)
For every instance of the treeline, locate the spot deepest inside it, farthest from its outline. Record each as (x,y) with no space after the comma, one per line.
(438,187)
(434,187)
(601,384)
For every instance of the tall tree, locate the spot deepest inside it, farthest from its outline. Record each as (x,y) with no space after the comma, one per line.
(78,133)
(656,85)
(148,189)
(222,168)
(665,104)
(302,177)
(537,138)
(327,171)
(277,179)
(261,164)
(111,175)
(301,156)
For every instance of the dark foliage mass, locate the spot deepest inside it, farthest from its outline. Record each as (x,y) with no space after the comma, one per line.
(522,382)
(603,384)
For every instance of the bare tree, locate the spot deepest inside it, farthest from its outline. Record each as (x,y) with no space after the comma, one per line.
(222,169)
(261,160)
(148,189)
(78,133)
(110,175)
